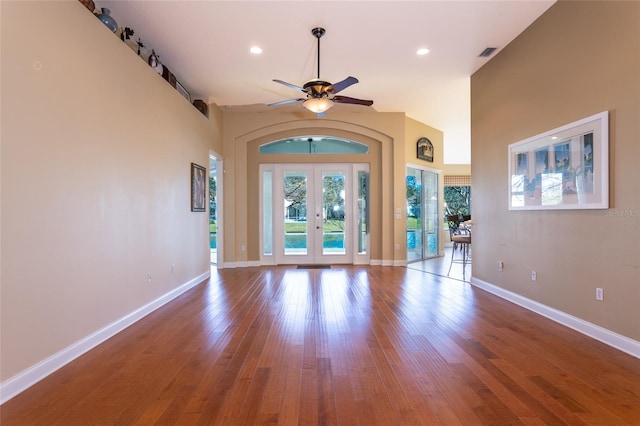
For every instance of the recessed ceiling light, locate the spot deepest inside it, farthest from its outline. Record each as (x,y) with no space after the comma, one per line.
(255,50)
(422,51)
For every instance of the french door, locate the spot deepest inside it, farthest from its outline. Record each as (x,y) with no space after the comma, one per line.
(314,213)
(423,214)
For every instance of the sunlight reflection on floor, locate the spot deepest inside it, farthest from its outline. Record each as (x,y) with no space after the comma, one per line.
(440,266)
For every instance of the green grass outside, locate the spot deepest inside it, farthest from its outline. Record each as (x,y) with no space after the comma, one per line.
(333,226)
(412,223)
(297,227)
(301,227)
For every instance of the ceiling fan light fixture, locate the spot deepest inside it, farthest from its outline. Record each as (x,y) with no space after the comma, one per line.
(318,105)
(320,94)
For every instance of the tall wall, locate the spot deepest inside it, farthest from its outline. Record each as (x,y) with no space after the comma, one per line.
(96,154)
(578,59)
(457,169)
(415,130)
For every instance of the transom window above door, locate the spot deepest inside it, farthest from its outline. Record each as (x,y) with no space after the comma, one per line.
(314,145)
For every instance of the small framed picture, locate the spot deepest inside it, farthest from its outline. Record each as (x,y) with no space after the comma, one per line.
(180,88)
(425,150)
(198,188)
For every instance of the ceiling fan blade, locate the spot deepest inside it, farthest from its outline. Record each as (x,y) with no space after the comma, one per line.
(348,100)
(293,86)
(341,85)
(288,101)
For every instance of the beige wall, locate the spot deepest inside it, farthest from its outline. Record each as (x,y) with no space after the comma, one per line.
(392,140)
(456,170)
(578,59)
(96,153)
(415,130)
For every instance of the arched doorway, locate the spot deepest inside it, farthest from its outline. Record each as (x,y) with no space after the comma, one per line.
(315,212)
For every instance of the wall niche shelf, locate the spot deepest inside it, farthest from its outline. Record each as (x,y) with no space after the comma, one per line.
(144,53)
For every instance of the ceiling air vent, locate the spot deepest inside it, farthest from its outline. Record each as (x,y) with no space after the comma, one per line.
(487,52)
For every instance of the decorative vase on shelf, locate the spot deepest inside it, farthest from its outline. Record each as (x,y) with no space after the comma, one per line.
(106,19)
(154,62)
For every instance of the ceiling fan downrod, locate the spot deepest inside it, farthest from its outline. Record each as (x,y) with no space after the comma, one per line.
(318,32)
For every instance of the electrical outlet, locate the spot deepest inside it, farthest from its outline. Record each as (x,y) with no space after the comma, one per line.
(500,265)
(534,276)
(149,276)
(397,246)
(600,294)
(243,248)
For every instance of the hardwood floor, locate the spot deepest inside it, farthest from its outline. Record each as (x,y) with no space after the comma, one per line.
(348,346)
(444,267)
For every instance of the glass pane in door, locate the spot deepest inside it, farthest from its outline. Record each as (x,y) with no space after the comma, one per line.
(333,212)
(267,212)
(414,214)
(295,212)
(363,210)
(213,217)
(431,213)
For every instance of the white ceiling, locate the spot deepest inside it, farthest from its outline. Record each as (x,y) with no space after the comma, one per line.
(206,45)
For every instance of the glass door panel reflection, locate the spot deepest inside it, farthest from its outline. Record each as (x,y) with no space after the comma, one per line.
(363,211)
(333,212)
(423,226)
(431,213)
(414,215)
(295,213)
(267,212)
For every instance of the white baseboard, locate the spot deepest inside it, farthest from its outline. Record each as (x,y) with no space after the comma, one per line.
(27,378)
(244,264)
(385,262)
(608,337)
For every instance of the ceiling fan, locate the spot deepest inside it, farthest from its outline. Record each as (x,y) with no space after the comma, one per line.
(321,95)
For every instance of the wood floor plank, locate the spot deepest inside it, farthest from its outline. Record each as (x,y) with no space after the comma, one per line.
(343,346)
